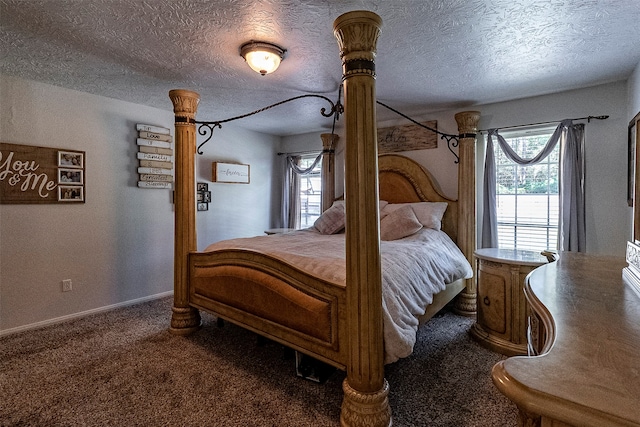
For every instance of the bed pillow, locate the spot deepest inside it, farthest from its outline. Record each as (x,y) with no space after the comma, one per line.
(332,220)
(399,223)
(428,213)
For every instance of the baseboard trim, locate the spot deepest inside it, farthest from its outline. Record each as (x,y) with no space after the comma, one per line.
(83,314)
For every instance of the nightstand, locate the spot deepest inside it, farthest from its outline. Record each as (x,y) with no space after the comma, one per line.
(502,308)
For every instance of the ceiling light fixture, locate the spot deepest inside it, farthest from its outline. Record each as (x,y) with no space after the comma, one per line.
(262,57)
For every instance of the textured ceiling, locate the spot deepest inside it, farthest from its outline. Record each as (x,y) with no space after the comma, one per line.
(432,55)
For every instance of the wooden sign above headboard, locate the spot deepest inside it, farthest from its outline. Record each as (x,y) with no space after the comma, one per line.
(407,138)
(30,174)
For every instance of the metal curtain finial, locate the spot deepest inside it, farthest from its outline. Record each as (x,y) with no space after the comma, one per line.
(589,118)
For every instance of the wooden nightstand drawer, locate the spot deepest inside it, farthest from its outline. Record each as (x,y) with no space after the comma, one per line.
(492,296)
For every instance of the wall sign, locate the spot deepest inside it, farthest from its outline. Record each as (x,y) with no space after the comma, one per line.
(230,172)
(31,174)
(155,156)
(407,138)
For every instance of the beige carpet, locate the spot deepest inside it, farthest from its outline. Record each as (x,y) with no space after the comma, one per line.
(123,368)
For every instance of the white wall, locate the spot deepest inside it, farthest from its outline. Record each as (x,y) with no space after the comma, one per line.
(239,210)
(118,246)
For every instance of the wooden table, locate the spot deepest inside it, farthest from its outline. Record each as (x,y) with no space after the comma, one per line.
(588,373)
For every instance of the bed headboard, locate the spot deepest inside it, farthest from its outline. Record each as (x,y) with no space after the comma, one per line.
(402,180)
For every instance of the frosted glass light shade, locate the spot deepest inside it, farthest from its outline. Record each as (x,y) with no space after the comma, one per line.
(262,57)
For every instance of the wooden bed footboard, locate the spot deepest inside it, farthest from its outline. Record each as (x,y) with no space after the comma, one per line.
(281,302)
(272,298)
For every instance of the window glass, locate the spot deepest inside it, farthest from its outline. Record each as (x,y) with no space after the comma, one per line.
(310,196)
(527,197)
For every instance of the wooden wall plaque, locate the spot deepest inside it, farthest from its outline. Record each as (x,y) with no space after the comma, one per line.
(31,174)
(230,172)
(407,138)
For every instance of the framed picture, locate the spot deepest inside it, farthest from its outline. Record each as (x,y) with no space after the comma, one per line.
(68,159)
(230,172)
(203,206)
(633,130)
(40,167)
(206,196)
(203,186)
(70,193)
(70,176)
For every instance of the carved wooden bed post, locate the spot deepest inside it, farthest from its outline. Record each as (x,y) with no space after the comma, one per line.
(184,319)
(467,129)
(329,141)
(365,388)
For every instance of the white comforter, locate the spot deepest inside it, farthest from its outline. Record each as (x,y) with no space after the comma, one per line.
(413,270)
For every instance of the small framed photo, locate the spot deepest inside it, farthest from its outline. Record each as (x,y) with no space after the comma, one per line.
(203,186)
(70,176)
(70,193)
(206,196)
(203,206)
(70,159)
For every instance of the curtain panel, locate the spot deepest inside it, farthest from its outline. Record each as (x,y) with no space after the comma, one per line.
(572,230)
(290,215)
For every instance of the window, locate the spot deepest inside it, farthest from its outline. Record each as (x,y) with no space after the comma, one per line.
(527,197)
(310,195)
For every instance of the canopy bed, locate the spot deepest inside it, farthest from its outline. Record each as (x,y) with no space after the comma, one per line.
(336,319)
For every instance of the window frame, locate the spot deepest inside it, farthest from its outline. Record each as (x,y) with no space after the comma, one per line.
(515,226)
(315,174)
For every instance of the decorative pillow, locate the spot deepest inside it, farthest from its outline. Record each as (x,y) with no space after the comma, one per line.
(428,213)
(399,223)
(381,203)
(332,220)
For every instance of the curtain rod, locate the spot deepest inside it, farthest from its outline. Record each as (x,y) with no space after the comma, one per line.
(588,119)
(301,152)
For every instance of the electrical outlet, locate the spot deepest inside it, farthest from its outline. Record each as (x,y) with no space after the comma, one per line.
(66,285)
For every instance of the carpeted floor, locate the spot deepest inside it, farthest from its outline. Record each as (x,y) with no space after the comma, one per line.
(124,368)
